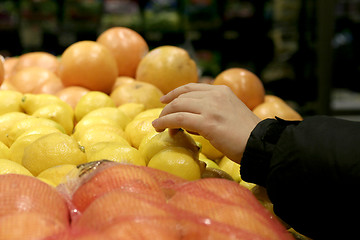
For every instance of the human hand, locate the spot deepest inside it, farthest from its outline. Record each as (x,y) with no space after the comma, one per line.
(214,112)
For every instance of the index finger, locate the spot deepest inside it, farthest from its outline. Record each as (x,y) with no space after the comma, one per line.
(190,87)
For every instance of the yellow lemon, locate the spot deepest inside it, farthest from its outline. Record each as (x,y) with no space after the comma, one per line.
(7,166)
(47,181)
(132,109)
(137,129)
(101,128)
(207,148)
(152,144)
(10,101)
(57,174)
(90,121)
(52,150)
(26,124)
(248,185)
(7,120)
(112,113)
(154,113)
(209,163)
(95,135)
(4,151)
(91,101)
(145,140)
(115,151)
(59,114)
(17,148)
(32,102)
(41,130)
(230,167)
(178,161)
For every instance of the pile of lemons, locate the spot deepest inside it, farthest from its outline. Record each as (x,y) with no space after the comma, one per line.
(43,136)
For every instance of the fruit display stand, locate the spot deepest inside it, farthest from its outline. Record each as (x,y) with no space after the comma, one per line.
(77,142)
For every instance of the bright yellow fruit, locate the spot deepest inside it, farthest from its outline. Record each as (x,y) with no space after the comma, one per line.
(7,166)
(151,145)
(96,134)
(248,185)
(7,120)
(17,148)
(59,114)
(100,128)
(207,148)
(91,101)
(178,161)
(154,113)
(32,102)
(47,181)
(137,129)
(112,113)
(52,150)
(145,140)
(28,124)
(90,121)
(230,167)
(57,174)
(115,151)
(132,109)
(41,130)
(10,101)
(209,163)
(4,151)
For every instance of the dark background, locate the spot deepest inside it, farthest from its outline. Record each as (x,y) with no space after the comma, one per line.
(303,50)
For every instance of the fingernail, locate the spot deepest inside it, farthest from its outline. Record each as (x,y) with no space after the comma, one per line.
(162,98)
(154,122)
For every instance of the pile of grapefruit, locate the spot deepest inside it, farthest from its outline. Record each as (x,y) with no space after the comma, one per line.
(121,55)
(62,115)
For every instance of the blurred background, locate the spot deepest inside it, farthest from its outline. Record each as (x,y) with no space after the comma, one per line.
(305,51)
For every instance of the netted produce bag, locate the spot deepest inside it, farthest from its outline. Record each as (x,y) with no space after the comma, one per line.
(30,209)
(123,201)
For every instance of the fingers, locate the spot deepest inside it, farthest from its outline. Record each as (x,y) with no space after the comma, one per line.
(185,107)
(189,121)
(182,105)
(184,89)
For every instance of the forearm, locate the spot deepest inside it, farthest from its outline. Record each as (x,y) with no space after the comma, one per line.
(307,168)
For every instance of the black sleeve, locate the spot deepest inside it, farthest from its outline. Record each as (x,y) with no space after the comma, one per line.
(311,170)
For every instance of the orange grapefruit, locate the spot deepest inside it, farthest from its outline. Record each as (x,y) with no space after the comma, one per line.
(167,67)
(72,94)
(9,65)
(137,92)
(37,59)
(35,80)
(245,84)
(127,46)
(88,64)
(275,106)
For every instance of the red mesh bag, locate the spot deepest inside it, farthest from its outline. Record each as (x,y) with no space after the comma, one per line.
(122,201)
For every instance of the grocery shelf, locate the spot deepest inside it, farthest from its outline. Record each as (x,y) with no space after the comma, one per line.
(345,103)
(289,44)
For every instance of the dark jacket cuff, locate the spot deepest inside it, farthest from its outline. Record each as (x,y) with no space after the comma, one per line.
(259,149)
